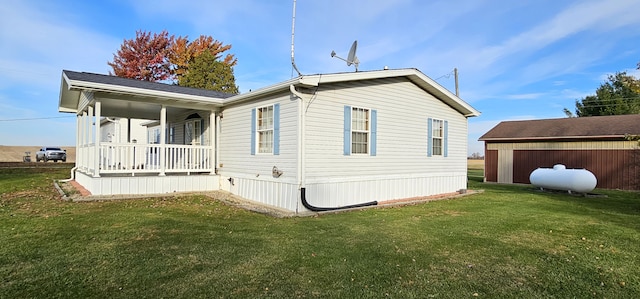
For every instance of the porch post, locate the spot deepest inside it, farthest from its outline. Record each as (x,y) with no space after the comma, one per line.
(96,159)
(90,137)
(213,125)
(80,149)
(163,133)
(78,122)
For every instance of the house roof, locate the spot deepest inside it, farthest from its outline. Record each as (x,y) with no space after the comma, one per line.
(75,82)
(414,75)
(594,127)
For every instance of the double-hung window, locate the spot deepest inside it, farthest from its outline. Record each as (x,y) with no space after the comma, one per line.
(437,137)
(265,130)
(438,134)
(360,131)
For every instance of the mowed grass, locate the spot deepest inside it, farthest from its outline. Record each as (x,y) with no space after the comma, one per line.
(508,242)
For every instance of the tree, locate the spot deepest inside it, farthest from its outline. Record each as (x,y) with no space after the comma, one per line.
(619,95)
(184,52)
(144,58)
(205,71)
(160,57)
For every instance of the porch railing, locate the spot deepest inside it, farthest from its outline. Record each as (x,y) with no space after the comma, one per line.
(145,158)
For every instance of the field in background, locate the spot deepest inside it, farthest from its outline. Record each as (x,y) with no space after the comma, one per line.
(475,164)
(15,153)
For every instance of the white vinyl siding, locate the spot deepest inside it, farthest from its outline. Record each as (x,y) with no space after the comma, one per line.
(235,150)
(401,132)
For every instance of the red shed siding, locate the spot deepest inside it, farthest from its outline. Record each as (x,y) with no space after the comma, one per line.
(491,165)
(614,169)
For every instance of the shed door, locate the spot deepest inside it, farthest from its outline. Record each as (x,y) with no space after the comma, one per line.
(505,166)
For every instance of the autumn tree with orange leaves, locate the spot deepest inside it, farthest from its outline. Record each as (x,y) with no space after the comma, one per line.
(161,57)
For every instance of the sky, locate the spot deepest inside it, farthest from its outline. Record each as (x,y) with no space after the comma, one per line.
(517,60)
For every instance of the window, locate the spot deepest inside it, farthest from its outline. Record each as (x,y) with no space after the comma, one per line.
(437,135)
(359,131)
(193,132)
(265,130)
(171,136)
(437,131)
(154,136)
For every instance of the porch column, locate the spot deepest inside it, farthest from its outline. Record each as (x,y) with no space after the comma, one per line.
(213,125)
(96,159)
(80,149)
(89,138)
(163,133)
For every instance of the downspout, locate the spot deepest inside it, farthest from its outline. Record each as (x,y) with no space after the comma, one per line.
(301,159)
(72,175)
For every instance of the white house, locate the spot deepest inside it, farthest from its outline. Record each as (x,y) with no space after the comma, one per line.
(314,142)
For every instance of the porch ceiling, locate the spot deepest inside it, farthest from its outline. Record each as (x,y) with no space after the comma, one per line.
(127,106)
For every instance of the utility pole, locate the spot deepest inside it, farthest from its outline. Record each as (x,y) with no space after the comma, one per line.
(455,74)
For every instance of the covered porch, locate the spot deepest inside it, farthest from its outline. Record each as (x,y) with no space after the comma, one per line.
(178,153)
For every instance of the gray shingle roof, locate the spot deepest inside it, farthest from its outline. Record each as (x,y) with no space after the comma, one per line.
(566,128)
(113,80)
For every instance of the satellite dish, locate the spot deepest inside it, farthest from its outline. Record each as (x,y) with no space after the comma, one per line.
(351,58)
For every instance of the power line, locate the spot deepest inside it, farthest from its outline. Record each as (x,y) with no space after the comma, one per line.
(36,118)
(447,75)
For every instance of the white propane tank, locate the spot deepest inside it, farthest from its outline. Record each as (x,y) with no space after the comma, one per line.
(561,178)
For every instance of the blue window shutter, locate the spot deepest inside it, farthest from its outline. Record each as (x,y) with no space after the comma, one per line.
(446,137)
(276,129)
(374,131)
(429,136)
(253,131)
(347,130)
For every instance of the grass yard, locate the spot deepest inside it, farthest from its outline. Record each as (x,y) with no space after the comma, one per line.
(508,242)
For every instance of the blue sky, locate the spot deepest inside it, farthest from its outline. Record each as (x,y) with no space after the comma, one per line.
(516,59)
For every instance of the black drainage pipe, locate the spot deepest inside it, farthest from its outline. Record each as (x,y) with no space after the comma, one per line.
(306,204)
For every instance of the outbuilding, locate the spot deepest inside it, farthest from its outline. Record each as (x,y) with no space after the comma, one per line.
(513,149)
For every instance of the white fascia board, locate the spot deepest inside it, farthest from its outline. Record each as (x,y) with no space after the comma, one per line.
(262,91)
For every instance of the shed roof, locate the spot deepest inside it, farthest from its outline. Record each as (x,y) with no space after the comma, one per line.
(594,127)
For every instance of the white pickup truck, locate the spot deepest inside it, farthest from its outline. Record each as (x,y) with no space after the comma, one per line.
(51,153)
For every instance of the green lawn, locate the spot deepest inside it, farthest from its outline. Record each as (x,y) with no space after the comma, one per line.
(508,242)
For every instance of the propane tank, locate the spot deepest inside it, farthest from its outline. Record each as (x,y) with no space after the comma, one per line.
(561,178)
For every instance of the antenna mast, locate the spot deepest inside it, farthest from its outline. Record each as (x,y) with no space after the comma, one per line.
(293,25)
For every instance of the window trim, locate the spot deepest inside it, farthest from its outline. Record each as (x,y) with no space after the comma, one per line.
(444,126)
(434,137)
(274,128)
(366,131)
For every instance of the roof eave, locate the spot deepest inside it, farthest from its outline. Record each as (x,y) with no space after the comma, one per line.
(506,139)
(414,75)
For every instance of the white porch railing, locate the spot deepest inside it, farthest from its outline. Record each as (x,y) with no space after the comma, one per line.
(133,158)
